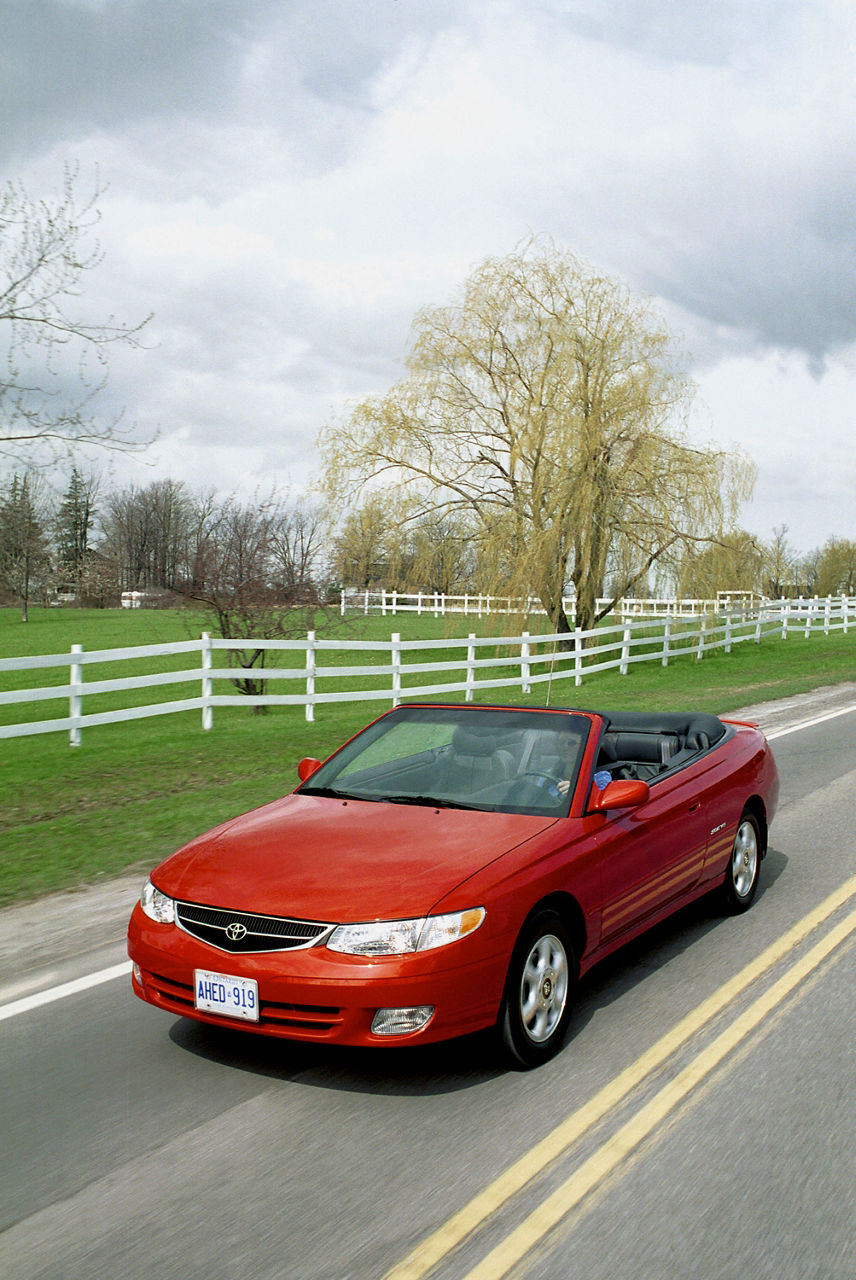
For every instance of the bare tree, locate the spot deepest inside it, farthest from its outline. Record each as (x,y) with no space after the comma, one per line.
(253,578)
(149,534)
(295,548)
(54,358)
(780,564)
(545,407)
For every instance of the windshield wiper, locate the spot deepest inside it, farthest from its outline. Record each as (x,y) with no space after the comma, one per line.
(331,793)
(434,802)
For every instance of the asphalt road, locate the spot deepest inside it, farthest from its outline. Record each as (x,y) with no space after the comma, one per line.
(690,1127)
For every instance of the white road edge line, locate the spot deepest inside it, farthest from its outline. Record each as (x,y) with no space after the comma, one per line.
(41,998)
(807,724)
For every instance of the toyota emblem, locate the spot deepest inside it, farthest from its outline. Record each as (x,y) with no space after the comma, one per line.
(236,931)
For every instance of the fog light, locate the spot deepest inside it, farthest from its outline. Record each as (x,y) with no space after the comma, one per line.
(398,1022)
(138,977)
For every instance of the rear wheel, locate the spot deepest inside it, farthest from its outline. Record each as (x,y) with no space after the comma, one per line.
(536,1007)
(741,878)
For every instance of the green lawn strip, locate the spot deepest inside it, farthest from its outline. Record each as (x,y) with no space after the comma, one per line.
(134,791)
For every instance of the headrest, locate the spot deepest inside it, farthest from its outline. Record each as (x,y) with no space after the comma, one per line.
(467,742)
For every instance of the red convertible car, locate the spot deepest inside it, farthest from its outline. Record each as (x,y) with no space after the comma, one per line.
(452,868)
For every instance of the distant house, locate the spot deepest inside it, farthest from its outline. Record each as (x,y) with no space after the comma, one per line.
(143,599)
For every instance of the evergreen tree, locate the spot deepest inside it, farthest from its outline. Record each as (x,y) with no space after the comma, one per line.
(73,527)
(24,547)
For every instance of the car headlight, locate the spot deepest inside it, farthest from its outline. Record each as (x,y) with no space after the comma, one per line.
(157,905)
(398,937)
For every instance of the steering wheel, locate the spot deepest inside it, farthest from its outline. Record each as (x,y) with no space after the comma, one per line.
(541,773)
(532,779)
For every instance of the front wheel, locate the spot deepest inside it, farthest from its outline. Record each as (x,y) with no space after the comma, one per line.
(536,1007)
(741,878)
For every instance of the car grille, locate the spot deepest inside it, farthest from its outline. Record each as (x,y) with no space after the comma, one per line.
(242,931)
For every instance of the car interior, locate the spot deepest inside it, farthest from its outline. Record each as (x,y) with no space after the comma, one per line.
(643,746)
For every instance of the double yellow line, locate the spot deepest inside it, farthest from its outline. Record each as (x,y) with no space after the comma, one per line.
(610,1155)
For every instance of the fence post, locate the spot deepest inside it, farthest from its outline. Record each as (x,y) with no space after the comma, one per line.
(578,655)
(809,618)
(625,650)
(207,663)
(786,615)
(310,676)
(701,630)
(366,606)
(75,698)
(827,609)
(342,603)
(728,633)
(395,655)
(844,604)
(524,663)
(667,638)
(419,605)
(471,666)
(758,628)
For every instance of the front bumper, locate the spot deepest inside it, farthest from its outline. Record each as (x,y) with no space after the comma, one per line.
(318,995)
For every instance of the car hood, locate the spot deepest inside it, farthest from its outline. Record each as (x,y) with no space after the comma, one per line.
(331,860)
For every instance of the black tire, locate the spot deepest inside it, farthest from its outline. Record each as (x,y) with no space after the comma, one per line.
(536,1006)
(744,866)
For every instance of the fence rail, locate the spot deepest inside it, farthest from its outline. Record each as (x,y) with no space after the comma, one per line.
(520,661)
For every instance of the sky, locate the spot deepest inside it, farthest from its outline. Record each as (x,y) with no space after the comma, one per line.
(288,181)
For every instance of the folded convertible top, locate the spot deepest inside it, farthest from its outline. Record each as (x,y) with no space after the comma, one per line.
(685,724)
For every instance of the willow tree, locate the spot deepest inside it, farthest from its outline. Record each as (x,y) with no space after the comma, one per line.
(734,562)
(836,567)
(547,406)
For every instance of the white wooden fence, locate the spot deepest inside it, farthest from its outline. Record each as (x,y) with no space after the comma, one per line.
(522,661)
(358,600)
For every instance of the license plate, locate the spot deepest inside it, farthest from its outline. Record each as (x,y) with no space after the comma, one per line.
(228,996)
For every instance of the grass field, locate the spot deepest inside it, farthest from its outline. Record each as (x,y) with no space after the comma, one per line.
(133,792)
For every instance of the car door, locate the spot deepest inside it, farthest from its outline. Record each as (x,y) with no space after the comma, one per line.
(653,854)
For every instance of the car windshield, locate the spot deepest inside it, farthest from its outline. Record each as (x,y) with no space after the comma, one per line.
(464,758)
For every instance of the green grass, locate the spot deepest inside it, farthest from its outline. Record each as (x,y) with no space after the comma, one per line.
(134,791)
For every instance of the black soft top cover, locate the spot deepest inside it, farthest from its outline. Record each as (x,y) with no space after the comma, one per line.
(685,724)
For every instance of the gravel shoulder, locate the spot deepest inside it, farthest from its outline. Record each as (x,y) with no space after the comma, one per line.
(64,935)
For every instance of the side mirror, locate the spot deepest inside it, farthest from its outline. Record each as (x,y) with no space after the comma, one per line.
(307,767)
(624,793)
